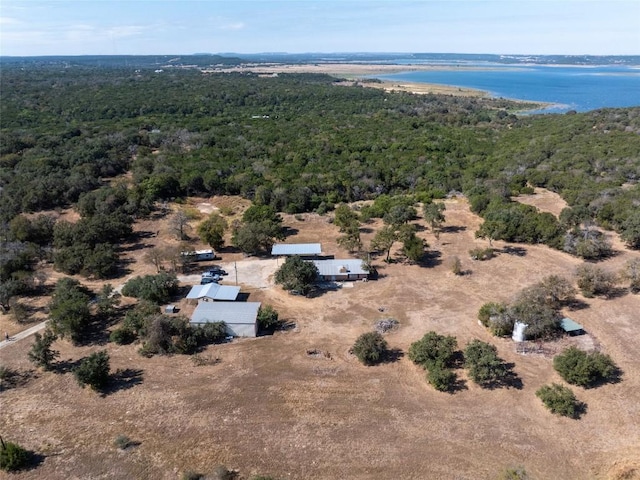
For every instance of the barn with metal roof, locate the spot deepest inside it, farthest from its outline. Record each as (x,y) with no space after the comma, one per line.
(213,292)
(341,269)
(301,249)
(241,318)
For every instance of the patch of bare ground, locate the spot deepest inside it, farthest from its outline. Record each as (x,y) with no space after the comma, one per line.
(544,200)
(269,407)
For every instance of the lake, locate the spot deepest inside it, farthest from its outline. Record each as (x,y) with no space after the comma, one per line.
(567,88)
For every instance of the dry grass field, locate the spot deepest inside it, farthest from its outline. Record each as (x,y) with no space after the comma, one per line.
(270,408)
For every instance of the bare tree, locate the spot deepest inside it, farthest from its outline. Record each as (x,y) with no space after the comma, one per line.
(179,224)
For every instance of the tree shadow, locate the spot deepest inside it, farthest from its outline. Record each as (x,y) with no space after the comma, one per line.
(16,378)
(616,292)
(392,355)
(580,410)
(431,258)
(458,385)
(66,366)
(123,380)
(578,305)
(453,229)
(614,377)
(513,250)
(290,231)
(508,379)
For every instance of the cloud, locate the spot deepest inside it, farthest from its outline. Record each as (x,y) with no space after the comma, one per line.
(8,21)
(232,26)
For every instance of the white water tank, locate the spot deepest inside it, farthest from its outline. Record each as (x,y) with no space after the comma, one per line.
(518,331)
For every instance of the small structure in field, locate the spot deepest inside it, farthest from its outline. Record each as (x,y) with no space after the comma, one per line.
(170,309)
(571,328)
(300,249)
(341,269)
(240,318)
(213,292)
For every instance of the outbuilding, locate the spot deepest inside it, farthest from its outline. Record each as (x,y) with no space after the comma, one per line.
(240,318)
(299,249)
(341,269)
(571,328)
(213,292)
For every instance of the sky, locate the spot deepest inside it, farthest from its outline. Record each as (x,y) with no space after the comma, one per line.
(147,27)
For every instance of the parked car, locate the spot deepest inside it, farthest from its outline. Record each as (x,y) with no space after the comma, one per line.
(206,280)
(213,272)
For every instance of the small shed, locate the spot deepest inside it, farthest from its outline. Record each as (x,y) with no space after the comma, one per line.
(340,269)
(571,328)
(241,318)
(170,309)
(213,292)
(300,249)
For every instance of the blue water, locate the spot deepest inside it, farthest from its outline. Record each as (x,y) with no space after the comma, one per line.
(566,88)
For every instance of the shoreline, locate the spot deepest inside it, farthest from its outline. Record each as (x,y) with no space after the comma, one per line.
(359,73)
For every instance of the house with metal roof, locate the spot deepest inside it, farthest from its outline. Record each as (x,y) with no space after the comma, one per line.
(340,269)
(301,249)
(213,292)
(240,318)
(570,327)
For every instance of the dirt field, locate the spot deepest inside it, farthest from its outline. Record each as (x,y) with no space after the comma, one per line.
(270,408)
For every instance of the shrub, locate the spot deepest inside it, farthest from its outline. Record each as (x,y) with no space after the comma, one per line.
(41,353)
(456,266)
(13,457)
(153,288)
(584,369)
(560,400)
(517,473)
(268,318)
(122,442)
(93,370)
(122,336)
(370,348)
(482,254)
(593,280)
(489,310)
(433,349)
(485,367)
(442,379)
(190,475)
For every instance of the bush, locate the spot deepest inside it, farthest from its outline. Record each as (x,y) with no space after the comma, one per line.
(153,288)
(93,370)
(456,266)
(584,369)
(370,348)
(442,379)
(268,318)
(489,310)
(433,350)
(593,280)
(560,400)
(13,457)
(122,442)
(296,274)
(190,475)
(518,473)
(482,254)
(122,336)
(485,367)
(41,353)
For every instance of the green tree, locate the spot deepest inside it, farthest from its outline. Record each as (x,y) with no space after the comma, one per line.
(412,247)
(93,370)
(384,239)
(157,288)
(107,301)
(484,365)
(584,369)
(433,349)
(296,274)
(69,311)
(268,318)
(441,378)
(560,400)
(13,457)
(257,236)
(351,238)
(370,348)
(434,215)
(631,230)
(41,353)
(399,214)
(345,218)
(632,273)
(212,229)
(594,280)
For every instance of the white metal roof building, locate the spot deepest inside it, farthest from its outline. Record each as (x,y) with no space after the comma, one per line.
(213,291)
(302,249)
(341,269)
(240,317)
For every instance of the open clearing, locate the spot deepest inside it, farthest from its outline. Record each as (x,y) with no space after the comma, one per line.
(270,408)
